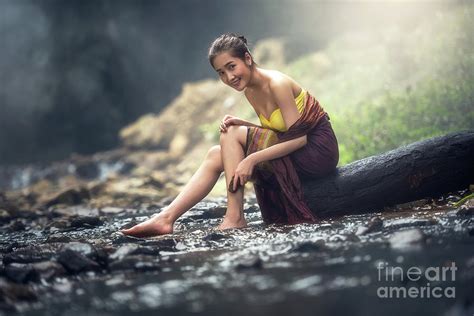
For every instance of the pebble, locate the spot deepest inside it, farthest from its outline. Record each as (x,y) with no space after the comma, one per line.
(407,239)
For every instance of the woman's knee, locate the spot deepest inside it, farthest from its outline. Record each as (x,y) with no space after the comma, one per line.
(214,157)
(235,133)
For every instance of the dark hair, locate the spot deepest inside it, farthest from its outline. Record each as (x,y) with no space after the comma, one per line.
(231,42)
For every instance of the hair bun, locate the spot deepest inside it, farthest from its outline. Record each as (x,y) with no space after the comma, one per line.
(243,39)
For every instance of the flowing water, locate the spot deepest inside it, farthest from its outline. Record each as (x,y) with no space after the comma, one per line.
(335,267)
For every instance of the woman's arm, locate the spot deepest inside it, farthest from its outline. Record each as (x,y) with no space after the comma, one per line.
(278,150)
(247,123)
(229,120)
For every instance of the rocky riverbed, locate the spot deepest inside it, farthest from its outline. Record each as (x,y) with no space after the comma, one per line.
(70,260)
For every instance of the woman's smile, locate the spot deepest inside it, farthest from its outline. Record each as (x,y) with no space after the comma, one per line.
(235,83)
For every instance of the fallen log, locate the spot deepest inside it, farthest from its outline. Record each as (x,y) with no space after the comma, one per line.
(425,169)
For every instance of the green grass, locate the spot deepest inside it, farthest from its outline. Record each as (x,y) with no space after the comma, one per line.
(392,88)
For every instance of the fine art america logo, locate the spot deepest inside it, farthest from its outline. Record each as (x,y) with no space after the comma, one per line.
(430,282)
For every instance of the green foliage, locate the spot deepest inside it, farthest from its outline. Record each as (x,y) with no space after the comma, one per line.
(389,89)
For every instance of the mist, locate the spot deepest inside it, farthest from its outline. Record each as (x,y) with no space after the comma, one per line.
(73,73)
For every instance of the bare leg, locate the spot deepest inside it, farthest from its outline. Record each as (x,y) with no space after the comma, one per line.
(232,145)
(198,187)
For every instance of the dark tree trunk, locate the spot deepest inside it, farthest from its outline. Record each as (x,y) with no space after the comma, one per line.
(423,169)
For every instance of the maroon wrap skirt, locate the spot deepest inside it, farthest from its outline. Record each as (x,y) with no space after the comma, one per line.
(277,185)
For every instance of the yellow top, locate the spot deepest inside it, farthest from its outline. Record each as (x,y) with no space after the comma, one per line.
(276,119)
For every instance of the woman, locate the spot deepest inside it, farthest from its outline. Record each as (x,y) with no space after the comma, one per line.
(295,141)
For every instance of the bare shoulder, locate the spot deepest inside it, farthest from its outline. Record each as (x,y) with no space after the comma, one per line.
(281,81)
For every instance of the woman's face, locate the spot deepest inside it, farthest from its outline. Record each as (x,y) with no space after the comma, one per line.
(233,71)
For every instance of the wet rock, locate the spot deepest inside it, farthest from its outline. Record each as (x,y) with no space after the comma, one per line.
(5,216)
(85,249)
(72,196)
(6,204)
(411,222)
(29,255)
(471,231)
(20,272)
(16,226)
(75,262)
(407,239)
(23,273)
(87,169)
(86,221)
(48,270)
(215,212)
(58,238)
(6,248)
(411,205)
(252,209)
(58,224)
(168,244)
(78,210)
(215,237)
(248,263)
(137,263)
(351,237)
(310,246)
(111,210)
(120,238)
(12,293)
(374,225)
(344,237)
(124,251)
(465,210)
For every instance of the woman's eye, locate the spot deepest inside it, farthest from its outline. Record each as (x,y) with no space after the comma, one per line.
(232,66)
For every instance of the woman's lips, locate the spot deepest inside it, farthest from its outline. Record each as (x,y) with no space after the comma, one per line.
(235,83)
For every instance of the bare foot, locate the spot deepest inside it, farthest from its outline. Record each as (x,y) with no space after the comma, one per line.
(229,224)
(156,225)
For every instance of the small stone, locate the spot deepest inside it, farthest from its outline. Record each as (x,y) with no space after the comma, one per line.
(17,226)
(352,237)
(374,225)
(465,210)
(136,263)
(124,239)
(48,270)
(13,293)
(5,216)
(250,262)
(28,255)
(215,236)
(20,272)
(407,239)
(111,210)
(124,251)
(168,244)
(310,246)
(83,248)
(471,231)
(86,221)
(72,196)
(411,222)
(60,224)
(58,238)
(75,262)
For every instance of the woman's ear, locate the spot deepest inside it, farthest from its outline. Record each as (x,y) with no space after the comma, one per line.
(248,59)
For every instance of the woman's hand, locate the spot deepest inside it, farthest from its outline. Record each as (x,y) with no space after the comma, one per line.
(243,172)
(229,120)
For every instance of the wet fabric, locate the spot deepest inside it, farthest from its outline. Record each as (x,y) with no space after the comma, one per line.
(277,182)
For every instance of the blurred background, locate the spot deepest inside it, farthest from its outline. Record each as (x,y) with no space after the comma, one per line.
(82,77)
(108,107)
